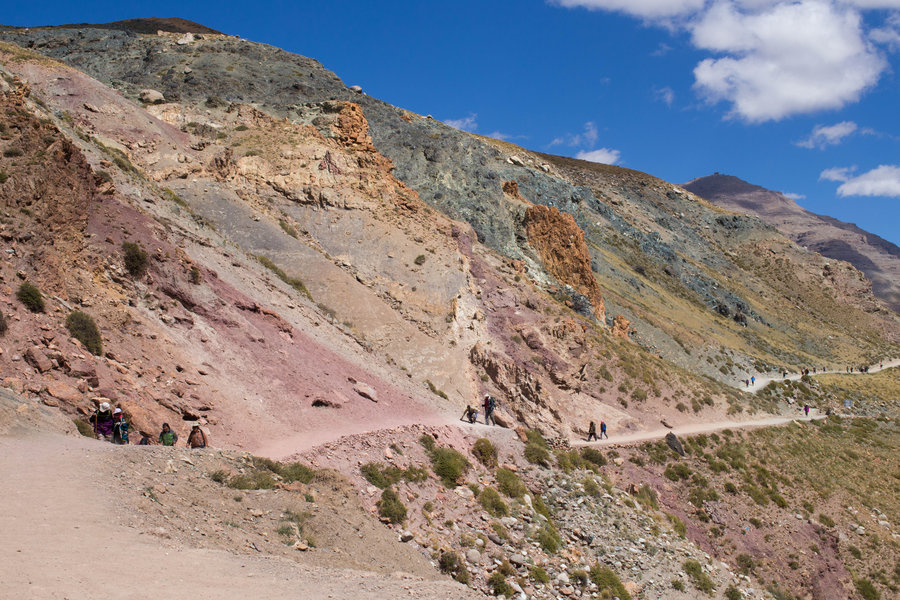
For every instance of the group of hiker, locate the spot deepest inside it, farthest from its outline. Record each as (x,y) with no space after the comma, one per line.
(111,425)
(490,405)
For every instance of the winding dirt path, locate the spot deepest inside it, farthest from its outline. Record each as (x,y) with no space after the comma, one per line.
(62,539)
(763,381)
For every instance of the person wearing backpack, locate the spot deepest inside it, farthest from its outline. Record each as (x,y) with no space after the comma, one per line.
(120,428)
(102,420)
(167,437)
(489,406)
(603,430)
(197,437)
(592,432)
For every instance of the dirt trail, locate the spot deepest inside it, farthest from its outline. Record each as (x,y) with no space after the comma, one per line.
(762,382)
(62,538)
(695,428)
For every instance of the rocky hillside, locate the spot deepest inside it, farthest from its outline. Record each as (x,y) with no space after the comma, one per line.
(320,262)
(878,258)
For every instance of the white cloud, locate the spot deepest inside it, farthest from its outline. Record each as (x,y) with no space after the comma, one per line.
(794,197)
(588,137)
(606,156)
(881,181)
(665,95)
(790,59)
(823,136)
(837,174)
(469,123)
(772,59)
(638,8)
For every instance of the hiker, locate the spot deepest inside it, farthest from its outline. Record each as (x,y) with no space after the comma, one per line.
(102,419)
(806,409)
(120,428)
(753,380)
(197,437)
(603,430)
(592,432)
(470,414)
(489,406)
(167,437)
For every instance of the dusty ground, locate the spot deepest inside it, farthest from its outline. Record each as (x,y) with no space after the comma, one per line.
(69,522)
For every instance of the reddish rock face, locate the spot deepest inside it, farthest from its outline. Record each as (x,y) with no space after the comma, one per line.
(559,241)
(63,391)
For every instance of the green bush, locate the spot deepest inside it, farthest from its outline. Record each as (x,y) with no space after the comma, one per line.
(607,581)
(31,297)
(678,584)
(732,593)
(448,562)
(498,584)
(677,525)
(219,476)
(449,465)
(485,452)
(255,480)
(390,507)
(646,495)
(3,176)
(593,456)
(537,455)
(375,475)
(826,520)
(866,589)
(420,259)
(540,507)
(510,484)
(136,259)
(677,472)
(84,428)
(427,442)
(84,329)
(590,487)
(289,472)
(492,502)
(700,579)
(549,539)
(539,574)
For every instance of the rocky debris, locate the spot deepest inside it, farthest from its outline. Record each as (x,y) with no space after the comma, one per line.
(674,443)
(63,391)
(366,391)
(35,357)
(149,96)
(621,327)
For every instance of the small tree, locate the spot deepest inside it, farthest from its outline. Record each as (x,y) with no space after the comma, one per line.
(31,297)
(135,259)
(84,329)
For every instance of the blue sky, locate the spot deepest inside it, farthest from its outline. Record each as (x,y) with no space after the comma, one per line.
(798,96)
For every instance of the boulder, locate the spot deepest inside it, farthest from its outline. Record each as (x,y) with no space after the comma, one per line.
(63,391)
(356,88)
(85,370)
(473,556)
(366,391)
(673,443)
(151,97)
(186,39)
(35,357)
(517,559)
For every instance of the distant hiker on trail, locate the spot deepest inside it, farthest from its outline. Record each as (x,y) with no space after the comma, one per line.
(489,405)
(753,380)
(806,409)
(746,383)
(102,420)
(167,437)
(120,428)
(603,430)
(197,437)
(470,414)
(592,432)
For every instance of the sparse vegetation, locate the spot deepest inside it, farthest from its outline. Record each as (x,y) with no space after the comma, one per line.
(700,579)
(136,259)
(83,328)
(84,428)
(390,507)
(608,582)
(485,452)
(279,272)
(30,297)
(492,502)
(449,465)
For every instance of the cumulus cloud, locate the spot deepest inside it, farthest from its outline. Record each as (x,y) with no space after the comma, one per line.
(789,59)
(588,137)
(823,136)
(881,181)
(772,59)
(469,123)
(651,9)
(606,156)
(794,197)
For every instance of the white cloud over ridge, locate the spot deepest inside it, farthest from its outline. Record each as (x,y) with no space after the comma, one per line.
(775,58)
(469,123)
(607,156)
(883,180)
(823,136)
